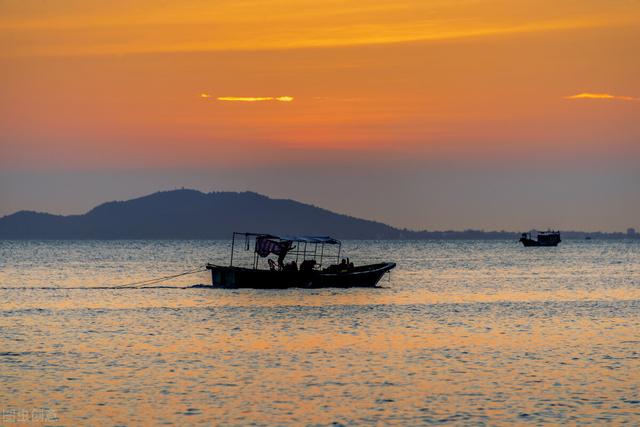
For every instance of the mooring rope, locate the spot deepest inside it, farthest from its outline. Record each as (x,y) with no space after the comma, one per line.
(143,284)
(148,282)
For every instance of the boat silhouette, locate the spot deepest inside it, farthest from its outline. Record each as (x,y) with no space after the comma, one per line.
(544,238)
(285,273)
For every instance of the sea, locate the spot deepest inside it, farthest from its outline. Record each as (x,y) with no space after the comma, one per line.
(460,333)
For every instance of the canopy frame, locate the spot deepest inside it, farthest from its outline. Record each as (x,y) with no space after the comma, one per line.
(306,240)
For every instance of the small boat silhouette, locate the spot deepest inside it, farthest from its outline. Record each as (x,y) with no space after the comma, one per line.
(544,238)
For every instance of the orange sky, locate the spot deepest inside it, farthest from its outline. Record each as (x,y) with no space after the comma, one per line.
(92,85)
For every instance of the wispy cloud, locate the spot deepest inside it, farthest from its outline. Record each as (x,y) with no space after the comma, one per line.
(30,28)
(587,95)
(251,98)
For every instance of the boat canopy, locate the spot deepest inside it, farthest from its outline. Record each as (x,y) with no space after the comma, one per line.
(311,239)
(327,240)
(281,245)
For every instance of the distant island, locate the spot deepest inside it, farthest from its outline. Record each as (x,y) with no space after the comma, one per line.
(191,214)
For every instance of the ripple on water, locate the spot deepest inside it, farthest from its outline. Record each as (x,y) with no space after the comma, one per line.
(465,333)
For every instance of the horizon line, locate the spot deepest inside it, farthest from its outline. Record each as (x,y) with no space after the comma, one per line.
(425,230)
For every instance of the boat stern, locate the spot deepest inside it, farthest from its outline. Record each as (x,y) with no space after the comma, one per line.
(222,276)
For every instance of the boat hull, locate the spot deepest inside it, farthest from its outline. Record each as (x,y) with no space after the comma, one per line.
(239,277)
(535,243)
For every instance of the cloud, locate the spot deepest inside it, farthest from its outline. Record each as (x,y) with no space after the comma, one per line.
(587,95)
(255,99)
(39,28)
(205,95)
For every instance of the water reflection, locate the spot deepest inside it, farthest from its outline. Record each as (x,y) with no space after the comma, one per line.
(467,333)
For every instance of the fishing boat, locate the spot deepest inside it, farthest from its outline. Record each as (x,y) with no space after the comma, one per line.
(544,238)
(293,261)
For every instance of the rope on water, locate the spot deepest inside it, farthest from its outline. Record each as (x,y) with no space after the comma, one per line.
(133,285)
(149,282)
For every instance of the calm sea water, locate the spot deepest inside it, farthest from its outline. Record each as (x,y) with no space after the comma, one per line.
(468,333)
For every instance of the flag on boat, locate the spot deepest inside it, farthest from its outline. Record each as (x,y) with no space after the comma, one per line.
(266,246)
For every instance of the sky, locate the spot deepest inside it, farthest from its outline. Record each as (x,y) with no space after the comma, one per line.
(488,114)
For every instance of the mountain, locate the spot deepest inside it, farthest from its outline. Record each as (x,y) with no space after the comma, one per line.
(190,214)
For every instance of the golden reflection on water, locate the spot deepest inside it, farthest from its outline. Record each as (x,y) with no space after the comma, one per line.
(437,344)
(192,298)
(126,366)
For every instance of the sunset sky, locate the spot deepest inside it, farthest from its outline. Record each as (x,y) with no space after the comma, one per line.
(494,114)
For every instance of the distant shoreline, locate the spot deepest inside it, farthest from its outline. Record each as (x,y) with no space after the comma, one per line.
(573,235)
(193,215)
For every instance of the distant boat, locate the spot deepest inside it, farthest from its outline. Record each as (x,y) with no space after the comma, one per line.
(587,237)
(284,273)
(544,238)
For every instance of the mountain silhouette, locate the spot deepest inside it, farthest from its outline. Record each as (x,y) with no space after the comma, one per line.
(190,214)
